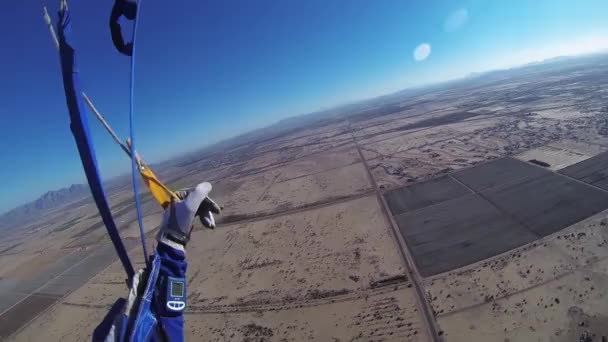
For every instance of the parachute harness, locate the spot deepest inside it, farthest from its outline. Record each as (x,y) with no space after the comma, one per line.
(80,128)
(157,296)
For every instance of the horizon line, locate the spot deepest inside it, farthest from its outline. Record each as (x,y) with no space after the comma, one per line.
(468,76)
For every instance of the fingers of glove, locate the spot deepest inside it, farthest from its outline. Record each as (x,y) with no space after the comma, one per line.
(208,220)
(208,203)
(211,205)
(205,212)
(182,194)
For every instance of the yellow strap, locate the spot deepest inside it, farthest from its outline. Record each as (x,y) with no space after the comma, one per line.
(160,193)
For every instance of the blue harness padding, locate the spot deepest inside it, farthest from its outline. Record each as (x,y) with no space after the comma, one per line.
(154,321)
(136,320)
(143,325)
(80,129)
(173,264)
(144,315)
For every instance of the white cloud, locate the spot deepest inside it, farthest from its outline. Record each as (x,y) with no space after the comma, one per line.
(456,20)
(422,52)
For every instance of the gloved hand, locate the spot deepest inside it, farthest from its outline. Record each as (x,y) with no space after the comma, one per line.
(206,209)
(179,216)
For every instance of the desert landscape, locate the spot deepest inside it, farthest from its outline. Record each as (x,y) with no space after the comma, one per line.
(470,210)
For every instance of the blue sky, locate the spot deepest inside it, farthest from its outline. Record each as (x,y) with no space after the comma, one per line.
(212,69)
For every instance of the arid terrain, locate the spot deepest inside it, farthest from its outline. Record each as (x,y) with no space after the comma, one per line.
(475,210)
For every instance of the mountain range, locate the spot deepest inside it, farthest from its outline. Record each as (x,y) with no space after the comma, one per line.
(45,203)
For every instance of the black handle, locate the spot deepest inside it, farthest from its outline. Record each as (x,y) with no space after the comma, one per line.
(128,9)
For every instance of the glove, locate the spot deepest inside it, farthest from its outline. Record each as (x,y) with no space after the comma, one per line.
(179,216)
(205,210)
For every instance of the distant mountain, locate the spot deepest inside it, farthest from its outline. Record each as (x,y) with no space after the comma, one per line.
(539,65)
(45,203)
(55,199)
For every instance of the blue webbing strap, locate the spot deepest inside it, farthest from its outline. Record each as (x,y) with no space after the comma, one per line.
(80,129)
(134,171)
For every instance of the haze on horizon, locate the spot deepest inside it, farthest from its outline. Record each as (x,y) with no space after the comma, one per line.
(209,71)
